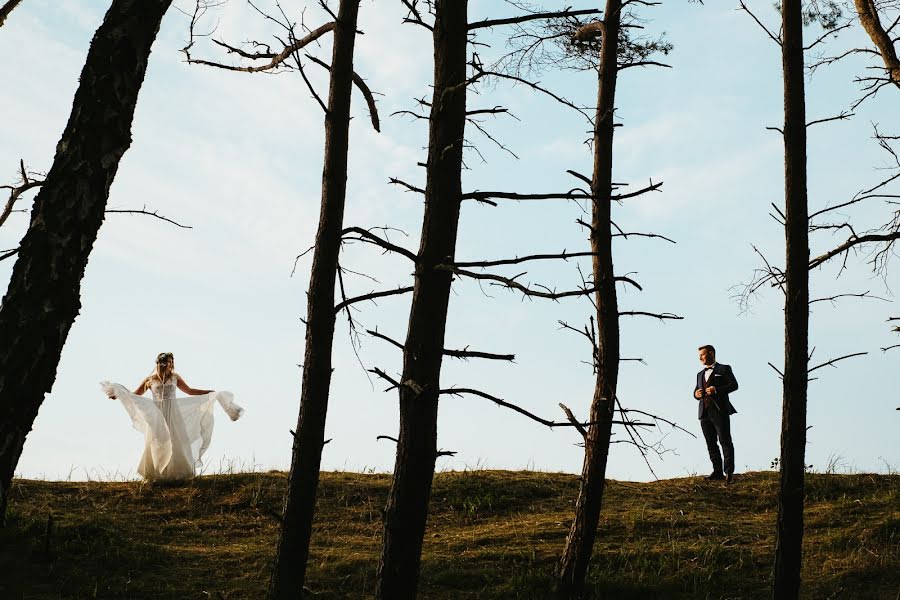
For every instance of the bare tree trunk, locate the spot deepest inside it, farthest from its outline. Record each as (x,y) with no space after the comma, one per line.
(289,572)
(407,506)
(786,578)
(868,17)
(6,9)
(580,541)
(43,297)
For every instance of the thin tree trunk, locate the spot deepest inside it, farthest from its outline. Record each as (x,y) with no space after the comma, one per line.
(407,506)
(289,572)
(580,541)
(786,578)
(6,9)
(43,297)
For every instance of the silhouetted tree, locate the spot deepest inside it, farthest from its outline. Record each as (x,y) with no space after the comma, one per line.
(43,297)
(292,553)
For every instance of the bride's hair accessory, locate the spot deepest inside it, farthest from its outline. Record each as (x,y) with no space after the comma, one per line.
(164,357)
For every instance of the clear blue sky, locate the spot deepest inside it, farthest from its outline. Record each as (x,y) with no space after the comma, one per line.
(238,157)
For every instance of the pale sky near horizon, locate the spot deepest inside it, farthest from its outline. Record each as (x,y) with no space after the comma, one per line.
(238,158)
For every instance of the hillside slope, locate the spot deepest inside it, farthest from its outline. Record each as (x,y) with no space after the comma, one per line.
(492,534)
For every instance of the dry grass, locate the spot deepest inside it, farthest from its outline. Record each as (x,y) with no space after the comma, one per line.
(492,534)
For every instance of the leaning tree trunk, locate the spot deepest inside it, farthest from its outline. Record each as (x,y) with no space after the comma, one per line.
(580,541)
(291,556)
(868,17)
(786,578)
(407,506)
(43,297)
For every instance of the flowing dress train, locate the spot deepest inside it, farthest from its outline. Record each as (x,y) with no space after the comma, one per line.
(177,431)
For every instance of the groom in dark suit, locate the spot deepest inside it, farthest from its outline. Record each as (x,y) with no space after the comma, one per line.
(714,410)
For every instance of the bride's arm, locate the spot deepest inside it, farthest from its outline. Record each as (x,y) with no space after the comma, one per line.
(141,388)
(184,387)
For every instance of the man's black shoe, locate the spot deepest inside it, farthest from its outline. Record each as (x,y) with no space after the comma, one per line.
(729,478)
(714,476)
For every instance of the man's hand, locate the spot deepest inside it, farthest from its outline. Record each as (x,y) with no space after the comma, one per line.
(698,394)
(711,390)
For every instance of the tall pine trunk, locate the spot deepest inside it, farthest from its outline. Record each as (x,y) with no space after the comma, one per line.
(786,579)
(43,298)
(580,541)
(407,506)
(289,572)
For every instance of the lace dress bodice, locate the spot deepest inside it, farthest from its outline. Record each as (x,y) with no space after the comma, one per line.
(163,391)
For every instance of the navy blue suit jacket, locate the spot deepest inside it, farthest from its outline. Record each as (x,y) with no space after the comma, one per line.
(722,378)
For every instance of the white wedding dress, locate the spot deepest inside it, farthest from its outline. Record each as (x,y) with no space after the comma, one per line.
(177,431)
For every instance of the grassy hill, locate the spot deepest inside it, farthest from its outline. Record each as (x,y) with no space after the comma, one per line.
(491,534)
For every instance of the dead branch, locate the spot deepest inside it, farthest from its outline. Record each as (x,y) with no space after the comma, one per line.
(481,73)
(394,383)
(416,16)
(842,116)
(568,12)
(367,236)
(150,213)
(385,338)
(661,316)
(832,299)
(511,283)
(772,36)
(564,255)
(465,353)
(371,296)
(276,58)
(852,242)
(15,191)
(6,9)
(834,360)
(522,411)
(485,196)
(575,423)
(361,85)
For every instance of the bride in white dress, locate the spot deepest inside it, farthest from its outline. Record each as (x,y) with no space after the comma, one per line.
(177,431)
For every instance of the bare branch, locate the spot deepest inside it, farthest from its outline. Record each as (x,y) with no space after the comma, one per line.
(661,316)
(575,423)
(366,92)
(522,411)
(834,360)
(465,353)
(564,255)
(367,236)
(843,116)
(532,17)
(149,213)
(832,299)
(276,59)
(5,10)
(371,296)
(771,35)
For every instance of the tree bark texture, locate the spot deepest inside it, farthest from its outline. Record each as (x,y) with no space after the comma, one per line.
(43,297)
(407,507)
(580,541)
(786,577)
(292,553)
(868,17)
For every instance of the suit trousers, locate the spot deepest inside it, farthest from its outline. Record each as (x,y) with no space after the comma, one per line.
(716,426)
